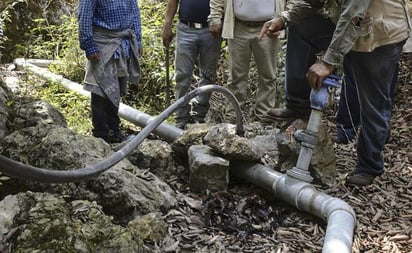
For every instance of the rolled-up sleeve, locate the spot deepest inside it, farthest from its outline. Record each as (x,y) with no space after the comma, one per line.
(217,8)
(350,26)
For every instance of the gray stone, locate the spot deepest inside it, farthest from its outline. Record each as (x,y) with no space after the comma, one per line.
(34,113)
(208,172)
(222,138)
(123,190)
(155,156)
(40,222)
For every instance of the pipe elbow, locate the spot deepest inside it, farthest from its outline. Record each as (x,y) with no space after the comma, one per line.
(337,204)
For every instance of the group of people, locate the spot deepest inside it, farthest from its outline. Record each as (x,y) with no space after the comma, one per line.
(365,37)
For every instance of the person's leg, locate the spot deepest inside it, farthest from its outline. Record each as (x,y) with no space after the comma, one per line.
(239,60)
(209,51)
(374,73)
(113,120)
(347,118)
(99,116)
(265,55)
(305,40)
(186,53)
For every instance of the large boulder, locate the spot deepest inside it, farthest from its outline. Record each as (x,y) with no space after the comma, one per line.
(41,222)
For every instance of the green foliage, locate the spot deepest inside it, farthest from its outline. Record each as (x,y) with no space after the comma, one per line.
(59,42)
(151,93)
(5,17)
(71,59)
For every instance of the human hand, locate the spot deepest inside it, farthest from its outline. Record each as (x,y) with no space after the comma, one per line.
(94,57)
(272,28)
(167,34)
(216,30)
(317,72)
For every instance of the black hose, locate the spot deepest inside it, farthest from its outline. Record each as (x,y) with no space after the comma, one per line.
(20,170)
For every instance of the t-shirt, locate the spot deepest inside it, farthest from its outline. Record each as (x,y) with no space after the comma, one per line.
(194,10)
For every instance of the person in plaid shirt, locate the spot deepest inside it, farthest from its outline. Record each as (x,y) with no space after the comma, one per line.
(110,34)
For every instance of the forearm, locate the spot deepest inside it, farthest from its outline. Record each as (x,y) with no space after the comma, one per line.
(171,10)
(217,9)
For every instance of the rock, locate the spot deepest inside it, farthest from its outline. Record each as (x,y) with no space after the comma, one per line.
(222,138)
(208,172)
(39,222)
(155,156)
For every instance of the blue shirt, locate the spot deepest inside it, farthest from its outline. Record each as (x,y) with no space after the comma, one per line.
(1,30)
(109,14)
(194,10)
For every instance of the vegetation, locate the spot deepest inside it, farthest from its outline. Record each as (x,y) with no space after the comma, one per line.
(59,42)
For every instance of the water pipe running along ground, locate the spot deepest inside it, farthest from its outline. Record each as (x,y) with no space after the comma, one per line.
(293,187)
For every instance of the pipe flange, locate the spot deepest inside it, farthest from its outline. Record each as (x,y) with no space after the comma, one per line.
(302,175)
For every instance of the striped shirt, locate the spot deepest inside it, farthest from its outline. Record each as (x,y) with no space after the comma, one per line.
(114,15)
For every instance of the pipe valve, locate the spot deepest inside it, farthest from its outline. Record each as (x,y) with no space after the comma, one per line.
(319,99)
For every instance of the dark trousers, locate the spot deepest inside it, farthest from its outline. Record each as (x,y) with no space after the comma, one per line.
(348,116)
(305,40)
(105,114)
(374,74)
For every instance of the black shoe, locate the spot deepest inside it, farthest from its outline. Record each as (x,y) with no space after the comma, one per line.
(288,114)
(116,136)
(340,139)
(360,179)
(198,120)
(181,125)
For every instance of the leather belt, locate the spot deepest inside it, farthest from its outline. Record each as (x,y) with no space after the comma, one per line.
(251,23)
(195,25)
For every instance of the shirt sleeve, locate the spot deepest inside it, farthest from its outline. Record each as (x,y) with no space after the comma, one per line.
(348,27)
(216,11)
(347,31)
(300,10)
(137,25)
(85,17)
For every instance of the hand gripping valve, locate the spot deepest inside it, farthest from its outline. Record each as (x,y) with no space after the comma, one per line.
(319,100)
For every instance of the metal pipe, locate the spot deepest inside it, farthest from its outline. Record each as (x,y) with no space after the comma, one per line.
(339,216)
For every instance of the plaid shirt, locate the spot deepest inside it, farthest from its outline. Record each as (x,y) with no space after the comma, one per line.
(108,14)
(1,30)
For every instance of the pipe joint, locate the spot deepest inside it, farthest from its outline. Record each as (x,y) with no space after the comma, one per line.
(306,137)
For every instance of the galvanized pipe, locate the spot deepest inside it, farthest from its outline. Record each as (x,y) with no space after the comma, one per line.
(339,216)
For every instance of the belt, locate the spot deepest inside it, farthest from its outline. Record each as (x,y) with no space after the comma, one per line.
(195,25)
(251,23)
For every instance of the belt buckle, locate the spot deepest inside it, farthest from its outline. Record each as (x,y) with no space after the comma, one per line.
(198,25)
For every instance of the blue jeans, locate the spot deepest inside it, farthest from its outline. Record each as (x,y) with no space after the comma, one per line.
(374,74)
(348,116)
(191,45)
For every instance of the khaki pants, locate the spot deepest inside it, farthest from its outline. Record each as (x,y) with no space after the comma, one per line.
(241,48)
